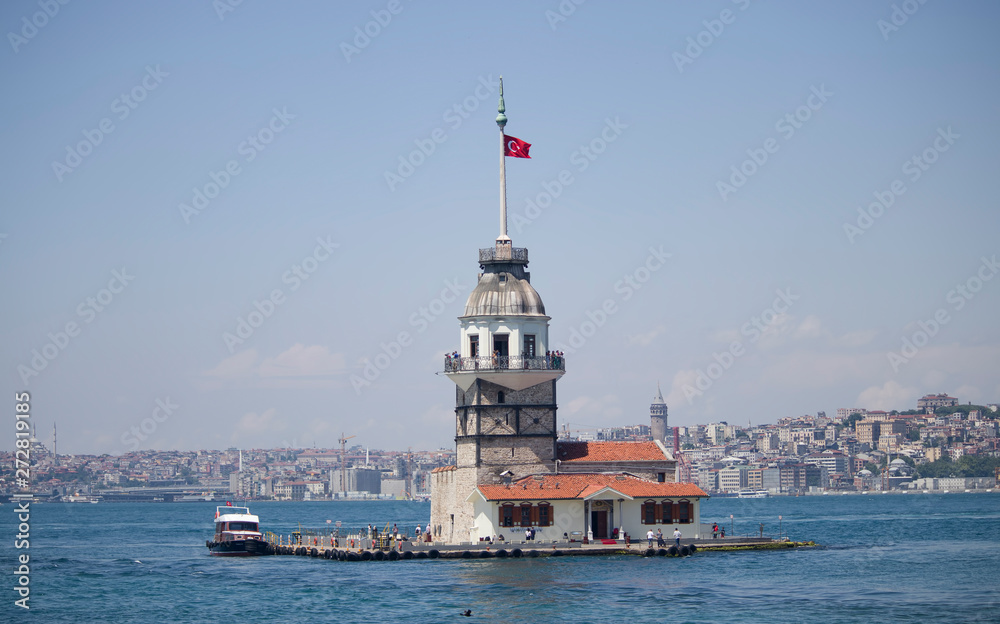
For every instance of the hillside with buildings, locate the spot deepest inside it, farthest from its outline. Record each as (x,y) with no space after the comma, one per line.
(938,445)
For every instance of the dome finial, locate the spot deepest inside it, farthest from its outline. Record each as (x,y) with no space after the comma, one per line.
(501,118)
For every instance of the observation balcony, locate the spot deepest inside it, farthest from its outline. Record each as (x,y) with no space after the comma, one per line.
(503,253)
(516,372)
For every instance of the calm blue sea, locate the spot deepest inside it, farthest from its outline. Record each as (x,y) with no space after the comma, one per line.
(884,558)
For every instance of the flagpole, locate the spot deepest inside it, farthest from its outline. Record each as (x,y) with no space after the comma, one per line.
(501,122)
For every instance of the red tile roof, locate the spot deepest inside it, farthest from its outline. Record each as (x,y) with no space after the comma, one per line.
(444,469)
(580,486)
(609,451)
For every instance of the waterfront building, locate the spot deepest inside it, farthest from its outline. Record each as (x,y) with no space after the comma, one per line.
(508,456)
(734,478)
(553,504)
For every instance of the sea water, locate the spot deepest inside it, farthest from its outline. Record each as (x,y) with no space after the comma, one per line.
(881,558)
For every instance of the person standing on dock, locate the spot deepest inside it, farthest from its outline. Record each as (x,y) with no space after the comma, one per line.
(715,530)
(659,537)
(650,537)
(677,537)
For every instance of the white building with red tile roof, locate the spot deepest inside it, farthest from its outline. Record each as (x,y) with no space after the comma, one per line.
(593,506)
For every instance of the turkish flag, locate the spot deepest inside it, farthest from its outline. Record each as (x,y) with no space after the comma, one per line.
(515,148)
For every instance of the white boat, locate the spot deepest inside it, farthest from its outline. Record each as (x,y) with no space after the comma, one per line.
(237,533)
(753,494)
(81,498)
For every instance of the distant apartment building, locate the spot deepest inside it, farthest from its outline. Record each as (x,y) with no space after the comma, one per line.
(733,478)
(708,477)
(769,443)
(293,490)
(935,431)
(368,480)
(834,462)
(790,478)
(315,489)
(730,432)
(933,453)
(846,412)
(716,433)
(870,430)
(802,435)
(629,433)
(890,441)
(930,402)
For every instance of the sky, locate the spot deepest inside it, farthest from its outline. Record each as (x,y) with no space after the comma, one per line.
(254,224)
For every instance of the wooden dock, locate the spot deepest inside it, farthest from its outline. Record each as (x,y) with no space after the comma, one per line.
(423,550)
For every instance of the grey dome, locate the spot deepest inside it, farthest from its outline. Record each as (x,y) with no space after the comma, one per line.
(503,294)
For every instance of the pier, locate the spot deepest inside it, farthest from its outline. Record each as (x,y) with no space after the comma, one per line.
(388,549)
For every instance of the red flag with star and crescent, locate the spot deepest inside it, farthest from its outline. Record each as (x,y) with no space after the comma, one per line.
(515,148)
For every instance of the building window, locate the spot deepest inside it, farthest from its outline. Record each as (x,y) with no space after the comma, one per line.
(526,515)
(474,346)
(649,512)
(507,515)
(668,512)
(684,512)
(661,477)
(544,514)
(500,397)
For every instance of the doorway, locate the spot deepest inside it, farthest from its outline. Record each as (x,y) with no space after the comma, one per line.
(500,349)
(599,523)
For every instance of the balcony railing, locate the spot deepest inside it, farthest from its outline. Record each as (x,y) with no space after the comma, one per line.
(501,253)
(503,362)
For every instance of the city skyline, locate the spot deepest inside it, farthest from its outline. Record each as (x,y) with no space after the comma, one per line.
(771,210)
